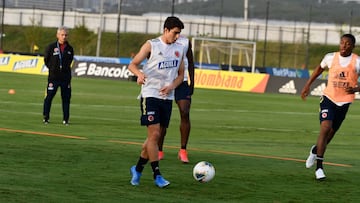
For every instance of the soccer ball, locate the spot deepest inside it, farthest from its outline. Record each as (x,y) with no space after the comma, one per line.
(203,172)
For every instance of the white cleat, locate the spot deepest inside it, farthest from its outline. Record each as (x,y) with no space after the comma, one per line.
(311,158)
(320,175)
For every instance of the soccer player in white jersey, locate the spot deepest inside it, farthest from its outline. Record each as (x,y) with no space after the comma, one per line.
(162,73)
(183,100)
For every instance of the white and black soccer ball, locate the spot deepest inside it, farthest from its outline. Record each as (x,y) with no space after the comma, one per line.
(203,172)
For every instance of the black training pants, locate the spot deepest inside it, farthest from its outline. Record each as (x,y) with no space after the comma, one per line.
(65,97)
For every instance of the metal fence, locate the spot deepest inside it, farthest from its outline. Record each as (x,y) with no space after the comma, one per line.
(195,25)
(254,30)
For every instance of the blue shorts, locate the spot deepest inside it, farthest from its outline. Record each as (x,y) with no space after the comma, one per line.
(154,110)
(182,92)
(332,112)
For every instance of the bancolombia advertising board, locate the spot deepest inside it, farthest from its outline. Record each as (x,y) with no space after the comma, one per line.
(101,70)
(231,80)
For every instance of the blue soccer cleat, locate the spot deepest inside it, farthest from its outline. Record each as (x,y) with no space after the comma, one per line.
(135,179)
(161,182)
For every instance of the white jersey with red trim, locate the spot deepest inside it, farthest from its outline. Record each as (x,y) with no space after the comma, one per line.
(161,68)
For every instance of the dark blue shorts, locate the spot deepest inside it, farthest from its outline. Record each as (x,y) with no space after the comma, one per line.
(330,111)
(182,92)
(154,110)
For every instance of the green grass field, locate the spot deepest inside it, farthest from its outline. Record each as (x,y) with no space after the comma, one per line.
(257,143)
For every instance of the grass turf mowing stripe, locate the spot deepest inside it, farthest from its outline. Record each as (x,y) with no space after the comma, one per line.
(234,153)
(172,147)
(43,133)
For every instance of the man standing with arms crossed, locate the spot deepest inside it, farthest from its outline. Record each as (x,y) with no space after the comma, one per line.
(183,100)
(58,58)
(162,73)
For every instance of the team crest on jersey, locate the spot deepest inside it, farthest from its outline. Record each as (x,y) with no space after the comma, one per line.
(56,50)
(177,54)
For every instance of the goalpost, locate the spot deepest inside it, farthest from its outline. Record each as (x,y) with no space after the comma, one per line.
(226,54)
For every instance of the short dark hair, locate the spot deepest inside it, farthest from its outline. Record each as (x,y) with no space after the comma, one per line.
(351,37)
(172,22)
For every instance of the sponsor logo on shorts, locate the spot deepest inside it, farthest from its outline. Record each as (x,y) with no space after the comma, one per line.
(324,113)
(150,118)
(51,86)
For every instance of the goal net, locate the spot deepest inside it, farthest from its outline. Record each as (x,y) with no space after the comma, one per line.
(224,54)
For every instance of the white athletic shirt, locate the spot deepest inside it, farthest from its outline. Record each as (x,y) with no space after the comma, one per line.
(185,42)
(344,61)
(161,68)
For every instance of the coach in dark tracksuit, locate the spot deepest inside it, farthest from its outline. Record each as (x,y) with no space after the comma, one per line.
(58,59)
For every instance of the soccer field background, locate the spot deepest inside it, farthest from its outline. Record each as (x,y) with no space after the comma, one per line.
(258,144)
